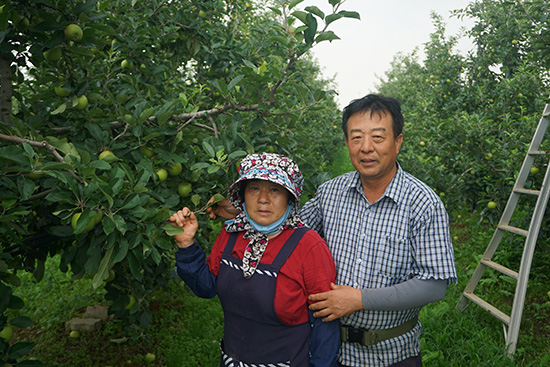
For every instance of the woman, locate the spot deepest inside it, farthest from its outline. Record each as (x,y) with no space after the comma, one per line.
(263,266)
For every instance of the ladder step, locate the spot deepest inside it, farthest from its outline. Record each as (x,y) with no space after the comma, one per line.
(488,307)
(538,152)
(504,270)
(515,230)
(527,191)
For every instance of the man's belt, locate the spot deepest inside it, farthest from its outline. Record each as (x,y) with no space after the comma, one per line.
(371,337)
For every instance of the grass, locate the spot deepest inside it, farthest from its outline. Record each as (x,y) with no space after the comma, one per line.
(186,329)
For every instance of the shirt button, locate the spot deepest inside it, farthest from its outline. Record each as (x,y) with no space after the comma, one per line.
(356,285)
(359,261)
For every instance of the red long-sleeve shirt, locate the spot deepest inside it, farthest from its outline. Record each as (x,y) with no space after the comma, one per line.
(309,269)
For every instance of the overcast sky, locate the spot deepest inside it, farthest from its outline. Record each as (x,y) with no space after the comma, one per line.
(367,46)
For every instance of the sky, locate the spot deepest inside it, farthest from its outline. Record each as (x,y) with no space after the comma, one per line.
(367,46)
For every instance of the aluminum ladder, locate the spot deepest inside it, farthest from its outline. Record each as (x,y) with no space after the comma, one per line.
(513,320)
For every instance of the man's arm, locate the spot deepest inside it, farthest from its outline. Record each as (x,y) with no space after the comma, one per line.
(343,300)
(222,209)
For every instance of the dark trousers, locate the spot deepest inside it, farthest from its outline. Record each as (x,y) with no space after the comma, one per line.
(409,362)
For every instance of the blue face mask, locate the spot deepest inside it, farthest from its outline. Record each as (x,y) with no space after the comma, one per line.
(270,228)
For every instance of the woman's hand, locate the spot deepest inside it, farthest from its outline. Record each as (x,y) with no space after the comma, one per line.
(186,220)
(222,209)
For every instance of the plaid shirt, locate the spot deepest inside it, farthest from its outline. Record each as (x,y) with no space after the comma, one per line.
(402,235)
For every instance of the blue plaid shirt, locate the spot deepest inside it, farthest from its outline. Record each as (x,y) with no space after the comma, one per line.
(403,235)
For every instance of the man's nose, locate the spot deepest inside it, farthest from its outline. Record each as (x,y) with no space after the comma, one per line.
(366,144)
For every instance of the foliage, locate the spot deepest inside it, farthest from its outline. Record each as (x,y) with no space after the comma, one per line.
(106,107)
(470,119)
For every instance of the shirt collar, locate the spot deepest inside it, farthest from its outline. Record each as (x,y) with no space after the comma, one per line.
(393,191)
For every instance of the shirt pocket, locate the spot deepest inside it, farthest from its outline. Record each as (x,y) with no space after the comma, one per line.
(393,258)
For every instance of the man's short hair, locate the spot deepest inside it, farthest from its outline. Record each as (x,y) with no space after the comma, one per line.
(375,104)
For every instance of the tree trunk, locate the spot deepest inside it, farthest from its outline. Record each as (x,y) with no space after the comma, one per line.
(5,87)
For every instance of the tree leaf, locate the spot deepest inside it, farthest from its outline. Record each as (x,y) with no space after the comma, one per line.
(333,17)
(315,10)
(350,14)
(103,271)
(208,149)
(279,39)
(293,3)
(19,350)
(59,109)
(301,15)
(326,36)
(235,81)
(172,230)
(21,322)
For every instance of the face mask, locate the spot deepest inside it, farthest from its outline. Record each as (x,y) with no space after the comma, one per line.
(270,228)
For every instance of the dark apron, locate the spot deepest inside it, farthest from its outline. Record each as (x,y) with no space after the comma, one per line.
(253,333)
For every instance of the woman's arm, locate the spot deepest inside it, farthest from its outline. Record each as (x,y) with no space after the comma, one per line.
(192,268)
(324,342)
(191,264)
(319,272)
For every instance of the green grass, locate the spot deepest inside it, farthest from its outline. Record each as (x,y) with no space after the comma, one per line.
(186,329)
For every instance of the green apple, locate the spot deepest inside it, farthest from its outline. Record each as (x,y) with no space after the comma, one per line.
(75,334)
(184,189)
(61,92)
(73,32)
(534,170)
(174,169)
(131,303)
(491,205)
(7,333)
(82,103)
(148,152)
(98,217)
(53,54)
(422,143)
(74,221)
(125,64)
(162,174)
(111,276)
(149,357)
(35,174)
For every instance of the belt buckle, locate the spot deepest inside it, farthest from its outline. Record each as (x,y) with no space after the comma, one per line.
(370,338)
(354,335)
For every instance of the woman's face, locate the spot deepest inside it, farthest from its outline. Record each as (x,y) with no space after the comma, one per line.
(265,201)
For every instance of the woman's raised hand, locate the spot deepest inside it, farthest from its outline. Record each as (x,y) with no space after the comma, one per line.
(186,220)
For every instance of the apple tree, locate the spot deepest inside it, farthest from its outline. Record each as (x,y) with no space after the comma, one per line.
(470,118)
(114,114)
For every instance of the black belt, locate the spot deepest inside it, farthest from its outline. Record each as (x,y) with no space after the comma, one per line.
(371,337)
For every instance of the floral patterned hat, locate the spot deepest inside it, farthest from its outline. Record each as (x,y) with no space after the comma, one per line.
(270,167)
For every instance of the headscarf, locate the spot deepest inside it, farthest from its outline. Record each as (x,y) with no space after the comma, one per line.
(269,167)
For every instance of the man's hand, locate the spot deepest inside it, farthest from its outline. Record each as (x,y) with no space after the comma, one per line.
(340,301)
(222,209)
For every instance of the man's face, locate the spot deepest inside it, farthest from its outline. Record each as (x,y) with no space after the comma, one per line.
(372,148)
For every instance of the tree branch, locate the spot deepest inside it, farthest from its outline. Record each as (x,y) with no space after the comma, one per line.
(39,144)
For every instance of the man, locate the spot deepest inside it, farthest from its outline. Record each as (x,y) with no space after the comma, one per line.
(389,235)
